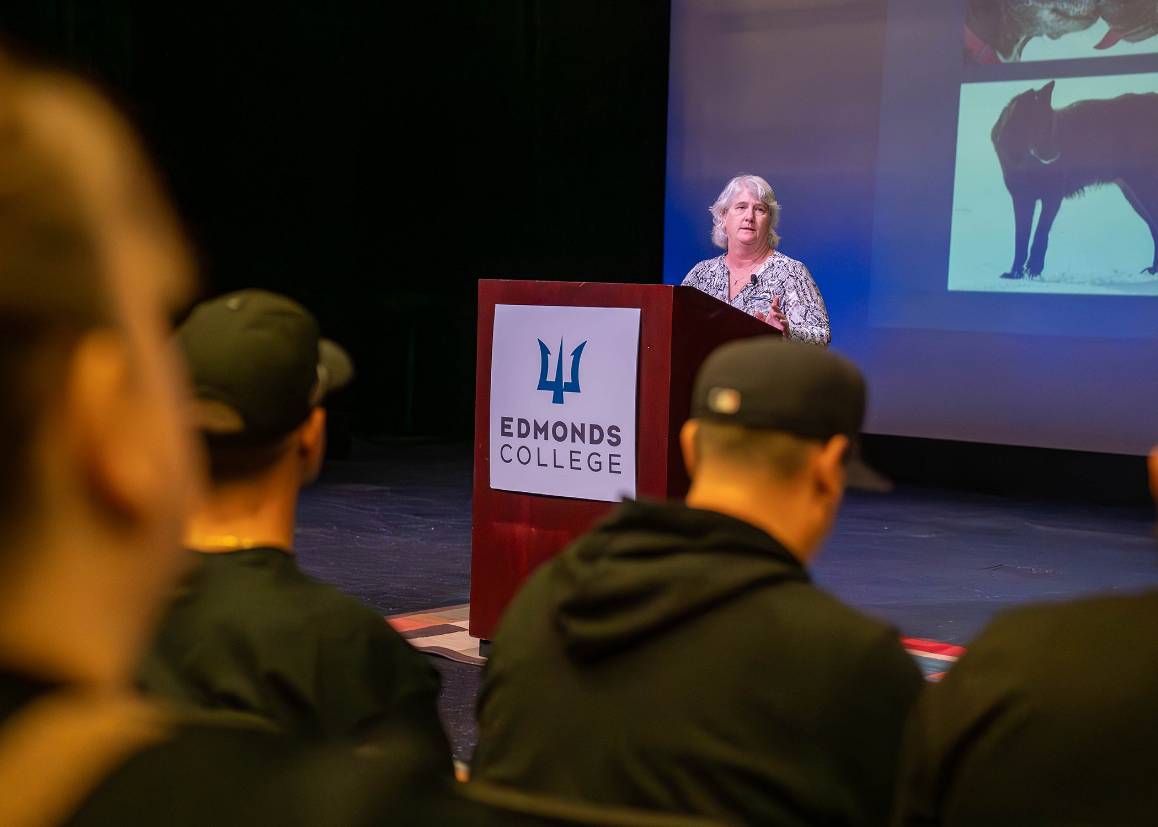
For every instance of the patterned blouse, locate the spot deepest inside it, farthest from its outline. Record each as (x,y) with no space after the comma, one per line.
(781,276)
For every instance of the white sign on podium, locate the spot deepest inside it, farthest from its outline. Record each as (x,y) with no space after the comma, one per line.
(563,393)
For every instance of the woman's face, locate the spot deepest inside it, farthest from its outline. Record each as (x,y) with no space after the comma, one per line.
(746,222)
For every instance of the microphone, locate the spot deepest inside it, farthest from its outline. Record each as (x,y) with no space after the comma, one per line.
(753,279)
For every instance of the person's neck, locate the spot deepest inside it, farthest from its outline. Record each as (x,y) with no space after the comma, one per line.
(769,506)
(73,612)
(250,514)
(747,257)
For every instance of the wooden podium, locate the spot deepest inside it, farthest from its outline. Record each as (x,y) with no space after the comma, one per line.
(513,532)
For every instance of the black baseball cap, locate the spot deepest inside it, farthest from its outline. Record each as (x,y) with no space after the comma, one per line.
(771,384)
(258,365)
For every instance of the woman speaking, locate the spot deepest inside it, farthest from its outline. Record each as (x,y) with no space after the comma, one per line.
(752,275)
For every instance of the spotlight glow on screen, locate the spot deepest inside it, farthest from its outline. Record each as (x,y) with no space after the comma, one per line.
(919,151)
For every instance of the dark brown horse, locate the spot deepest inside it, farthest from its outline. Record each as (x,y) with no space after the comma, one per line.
(1049,155)
(1007,25)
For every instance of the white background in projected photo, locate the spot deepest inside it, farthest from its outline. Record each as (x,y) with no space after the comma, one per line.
(1081,45)
(1099,245)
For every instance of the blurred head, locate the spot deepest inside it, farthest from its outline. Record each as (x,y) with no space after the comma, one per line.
(1152,465)
(773,429)
(745,214)
(92,422)
(260,371)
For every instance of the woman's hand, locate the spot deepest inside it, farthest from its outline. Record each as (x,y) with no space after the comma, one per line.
(775,317)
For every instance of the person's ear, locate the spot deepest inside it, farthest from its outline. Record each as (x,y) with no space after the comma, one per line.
(1152,463)
(312,444)
(98,413)
(688,445)
(830,467)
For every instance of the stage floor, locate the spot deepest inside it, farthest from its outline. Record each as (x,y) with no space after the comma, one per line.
(391,526)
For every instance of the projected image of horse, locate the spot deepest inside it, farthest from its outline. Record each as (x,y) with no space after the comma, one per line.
(1009,31)
(1048,155)
(1130,21)
(1004,27)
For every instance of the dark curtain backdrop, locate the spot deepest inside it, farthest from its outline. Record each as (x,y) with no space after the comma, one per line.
(375,160)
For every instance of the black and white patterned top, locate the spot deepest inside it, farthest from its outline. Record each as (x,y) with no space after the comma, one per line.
(781,276)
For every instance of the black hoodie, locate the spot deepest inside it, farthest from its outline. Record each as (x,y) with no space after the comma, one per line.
(682,660)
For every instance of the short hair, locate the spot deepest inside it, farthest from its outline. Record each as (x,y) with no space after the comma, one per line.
(52,287)
(780,453)
(758,187)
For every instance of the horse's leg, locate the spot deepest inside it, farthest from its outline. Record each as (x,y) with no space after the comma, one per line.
(1147,207)
(1023,205)
(1050,204)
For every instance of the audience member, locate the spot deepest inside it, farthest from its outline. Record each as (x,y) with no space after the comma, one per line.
(100,469)
(250,633)
(679,657)
(1049,718)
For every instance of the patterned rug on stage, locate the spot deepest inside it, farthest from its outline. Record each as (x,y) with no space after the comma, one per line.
(441,632)
(444,632)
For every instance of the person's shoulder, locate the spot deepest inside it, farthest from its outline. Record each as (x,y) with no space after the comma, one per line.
(534,597)
(340,629)
(703,268)
(296,598)
(528,627)
(242,570)
(828,605)
(785,262)
(826,618)
(843,644)
(864,650)
(332,609)
(193,774)
(223,586)
(224,774)
(1065,652)
(1094,622)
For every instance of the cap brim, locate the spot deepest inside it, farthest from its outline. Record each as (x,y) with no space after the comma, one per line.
(215,418)
(336,364)
(860,476)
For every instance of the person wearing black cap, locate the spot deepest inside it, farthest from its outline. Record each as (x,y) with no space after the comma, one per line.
(249,633)
(678,657)
(100,468)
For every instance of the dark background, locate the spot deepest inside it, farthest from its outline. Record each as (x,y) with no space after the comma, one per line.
(375,160)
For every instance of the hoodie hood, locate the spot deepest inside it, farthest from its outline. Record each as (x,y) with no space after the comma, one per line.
(650,567)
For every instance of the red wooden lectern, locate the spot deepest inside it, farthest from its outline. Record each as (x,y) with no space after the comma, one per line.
(514,532)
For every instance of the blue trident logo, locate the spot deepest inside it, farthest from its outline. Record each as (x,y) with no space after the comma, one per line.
(557,386)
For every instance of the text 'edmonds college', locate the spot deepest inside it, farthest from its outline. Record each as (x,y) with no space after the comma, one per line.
(563,456)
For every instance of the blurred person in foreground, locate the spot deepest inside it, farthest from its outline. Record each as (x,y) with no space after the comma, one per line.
(1049,718)
(679,657)
(100,472)
(250,633)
